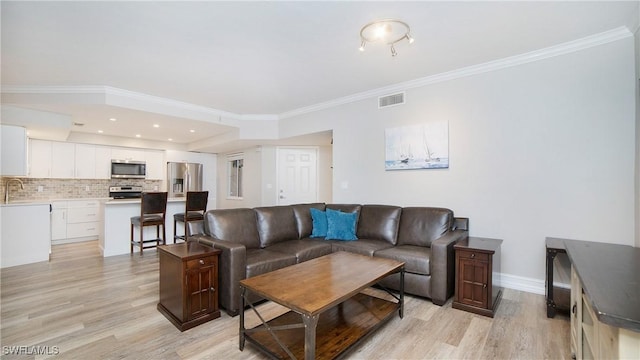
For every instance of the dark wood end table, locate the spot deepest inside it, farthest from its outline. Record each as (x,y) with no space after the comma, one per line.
(188,284)
(477,259)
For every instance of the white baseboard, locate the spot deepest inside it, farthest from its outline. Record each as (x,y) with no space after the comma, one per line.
(521,283)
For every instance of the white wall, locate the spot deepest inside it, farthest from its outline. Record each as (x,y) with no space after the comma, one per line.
(260,178)
(541,149)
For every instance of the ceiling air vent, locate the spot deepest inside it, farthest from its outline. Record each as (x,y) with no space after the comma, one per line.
(390,100)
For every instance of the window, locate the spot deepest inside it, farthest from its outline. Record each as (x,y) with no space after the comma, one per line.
(234,166)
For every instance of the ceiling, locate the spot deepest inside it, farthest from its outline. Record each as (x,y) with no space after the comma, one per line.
(207,66)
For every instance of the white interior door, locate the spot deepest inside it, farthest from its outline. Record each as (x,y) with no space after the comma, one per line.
(297,175)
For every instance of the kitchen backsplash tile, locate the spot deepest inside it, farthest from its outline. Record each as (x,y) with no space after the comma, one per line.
(71,188)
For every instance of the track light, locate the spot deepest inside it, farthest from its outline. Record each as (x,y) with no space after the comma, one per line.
(388,31)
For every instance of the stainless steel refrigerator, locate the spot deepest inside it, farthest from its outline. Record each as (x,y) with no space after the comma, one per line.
(183,177)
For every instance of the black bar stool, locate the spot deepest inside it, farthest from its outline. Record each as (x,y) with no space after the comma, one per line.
(153,210)
(195,207)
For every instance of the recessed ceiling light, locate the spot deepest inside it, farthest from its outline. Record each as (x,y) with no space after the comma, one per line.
(192,131)
(100,131)
(137,135)
(170,139)
(113,119)
(156,125)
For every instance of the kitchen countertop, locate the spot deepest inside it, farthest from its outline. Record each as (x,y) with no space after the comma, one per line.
(610,275)
(136,201)
(107,200)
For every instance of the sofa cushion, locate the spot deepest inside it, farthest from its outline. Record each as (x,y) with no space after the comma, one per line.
(361,246)
(261,261)
(237,225)
(319,221)
(379,222)
(305,249)
(341,226)
(416,258)
(275,224)
(303,218)
(421,225)
(348,208)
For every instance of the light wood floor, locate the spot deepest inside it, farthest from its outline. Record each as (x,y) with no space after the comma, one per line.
(89,307)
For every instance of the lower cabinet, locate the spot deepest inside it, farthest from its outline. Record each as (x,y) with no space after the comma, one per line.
(75,220)
(592,339)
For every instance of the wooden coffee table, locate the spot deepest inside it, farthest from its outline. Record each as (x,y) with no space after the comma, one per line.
(330,286)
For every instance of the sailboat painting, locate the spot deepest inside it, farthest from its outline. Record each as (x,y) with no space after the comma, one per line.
(424,146)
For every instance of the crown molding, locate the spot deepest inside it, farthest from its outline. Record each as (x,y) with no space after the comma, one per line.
(549,52)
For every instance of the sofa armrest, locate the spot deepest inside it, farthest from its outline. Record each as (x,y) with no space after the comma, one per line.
(231,269)
(443,265)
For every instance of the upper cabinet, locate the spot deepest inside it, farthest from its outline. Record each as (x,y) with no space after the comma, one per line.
(14,151)
(53,159)
(92,161)
(119,153)
(155,164)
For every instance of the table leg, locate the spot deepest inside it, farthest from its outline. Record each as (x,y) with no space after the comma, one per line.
(551,305)
(310,323)
(402,293)
(241,342)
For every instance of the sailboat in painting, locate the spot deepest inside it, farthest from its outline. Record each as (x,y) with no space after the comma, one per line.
(417,147)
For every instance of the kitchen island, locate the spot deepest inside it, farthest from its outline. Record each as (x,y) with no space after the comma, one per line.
(25,233)
(116,233)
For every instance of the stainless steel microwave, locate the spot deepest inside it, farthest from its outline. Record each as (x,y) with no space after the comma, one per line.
(128,169)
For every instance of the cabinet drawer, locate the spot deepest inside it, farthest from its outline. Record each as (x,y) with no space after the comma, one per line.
(83,229)
(80,215)
(84,204)
(466,254)
(197,263)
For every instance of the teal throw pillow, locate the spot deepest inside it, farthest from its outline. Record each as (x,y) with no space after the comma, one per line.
(341,226)
(319,219)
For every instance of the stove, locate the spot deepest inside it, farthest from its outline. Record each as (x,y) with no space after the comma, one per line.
(125,192)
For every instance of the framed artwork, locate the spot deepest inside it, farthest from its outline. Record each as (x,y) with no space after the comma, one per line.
(424,146)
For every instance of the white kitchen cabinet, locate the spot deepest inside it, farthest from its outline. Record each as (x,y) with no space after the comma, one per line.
(58,220)
(85,165)
(63,160)
(13,160)
(103,162)
(120,153)
(92,161)
(75,220)
(83,219)
(155,164)
(51,159)
(39,158)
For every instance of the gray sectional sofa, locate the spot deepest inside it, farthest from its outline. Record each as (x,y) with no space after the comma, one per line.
(260,240)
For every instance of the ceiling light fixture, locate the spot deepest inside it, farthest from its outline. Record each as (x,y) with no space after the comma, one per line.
(137,135)
(113,119)
(387,31)
(156,125)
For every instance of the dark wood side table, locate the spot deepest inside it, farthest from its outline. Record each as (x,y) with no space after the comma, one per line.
(558,299)
(477,259)
(188,284)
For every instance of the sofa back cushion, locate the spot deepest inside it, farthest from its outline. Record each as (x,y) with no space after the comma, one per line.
(276,224)
(379,222)
(302,213)
(421,225)
(237,225)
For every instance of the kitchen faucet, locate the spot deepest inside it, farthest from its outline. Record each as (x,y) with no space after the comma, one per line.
(6,188)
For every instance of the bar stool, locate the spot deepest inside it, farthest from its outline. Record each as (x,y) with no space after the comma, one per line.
(195,207)
(153,209)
